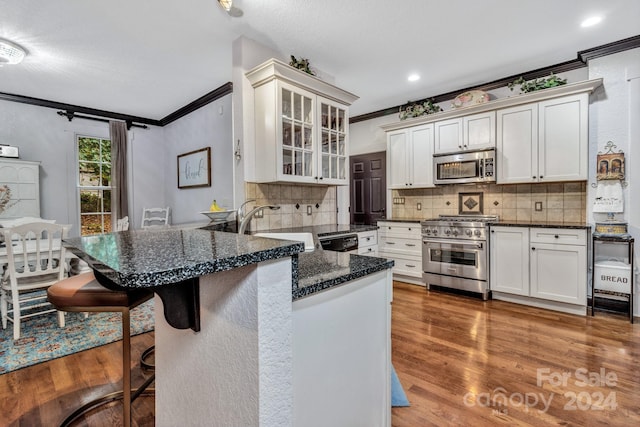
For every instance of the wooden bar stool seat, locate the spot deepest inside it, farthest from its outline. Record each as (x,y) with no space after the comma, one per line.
(83,293)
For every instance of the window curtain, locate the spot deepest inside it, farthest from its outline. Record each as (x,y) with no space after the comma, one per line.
(119,196)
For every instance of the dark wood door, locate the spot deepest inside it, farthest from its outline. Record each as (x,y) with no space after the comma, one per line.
(368,188)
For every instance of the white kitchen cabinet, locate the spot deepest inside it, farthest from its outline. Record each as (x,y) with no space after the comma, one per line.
(342,339)
(368,243)
(472,132)
(301,126)
(409,157)
(545,141)
(23,179)
(509,260)
(546,265)
(402,242)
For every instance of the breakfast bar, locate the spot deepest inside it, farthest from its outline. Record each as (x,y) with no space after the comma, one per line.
(242,321)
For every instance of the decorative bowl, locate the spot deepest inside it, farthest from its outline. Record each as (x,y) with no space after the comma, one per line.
(472,97)
(218,215)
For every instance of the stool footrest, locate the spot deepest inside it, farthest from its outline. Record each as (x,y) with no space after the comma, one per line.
(143,390)
(143,358)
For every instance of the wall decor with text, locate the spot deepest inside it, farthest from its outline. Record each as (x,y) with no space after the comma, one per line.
(194,168)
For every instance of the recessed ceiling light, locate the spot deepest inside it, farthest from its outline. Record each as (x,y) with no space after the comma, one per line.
(591,21)
(10,53)
(413,77)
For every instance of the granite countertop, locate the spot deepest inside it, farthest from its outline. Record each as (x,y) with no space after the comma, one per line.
(508,223)
(326,230)
(542,224)
(148,258)
(403,219)
(320,269)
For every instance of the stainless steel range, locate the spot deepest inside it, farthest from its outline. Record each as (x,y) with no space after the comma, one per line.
(455,254)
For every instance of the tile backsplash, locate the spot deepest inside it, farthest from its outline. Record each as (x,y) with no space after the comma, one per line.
(321,200)
(560,202)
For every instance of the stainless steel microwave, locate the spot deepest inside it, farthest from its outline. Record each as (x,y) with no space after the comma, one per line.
(465,167)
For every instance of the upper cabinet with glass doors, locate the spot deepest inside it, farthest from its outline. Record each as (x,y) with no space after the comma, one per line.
(300,127)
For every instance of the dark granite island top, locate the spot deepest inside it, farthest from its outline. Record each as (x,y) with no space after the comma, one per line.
(170,262)
(151,258)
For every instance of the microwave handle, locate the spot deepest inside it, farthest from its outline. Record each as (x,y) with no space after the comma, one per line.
(481,168)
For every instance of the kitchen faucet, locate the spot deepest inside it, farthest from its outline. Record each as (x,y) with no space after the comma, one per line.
(247,218)
(240,211)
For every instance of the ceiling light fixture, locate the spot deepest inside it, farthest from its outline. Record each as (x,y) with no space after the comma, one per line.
(11,53)
(413,77)
(591,21)
(227,5)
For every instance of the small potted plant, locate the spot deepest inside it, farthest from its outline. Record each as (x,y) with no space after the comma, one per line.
(301,64)
(537,84)
(419,109)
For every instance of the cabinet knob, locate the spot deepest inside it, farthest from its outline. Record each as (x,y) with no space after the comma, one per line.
(533,249)
(320,177)
(541,177)
(533,177)
(493,231)
(556,236)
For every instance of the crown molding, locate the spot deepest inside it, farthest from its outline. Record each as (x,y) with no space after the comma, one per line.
(76,108)
(581,61)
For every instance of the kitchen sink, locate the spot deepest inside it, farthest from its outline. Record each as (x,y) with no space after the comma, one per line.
(306,238)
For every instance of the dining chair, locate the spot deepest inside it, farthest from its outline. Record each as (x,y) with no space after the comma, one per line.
(122,224)
(155,217)
(35,261)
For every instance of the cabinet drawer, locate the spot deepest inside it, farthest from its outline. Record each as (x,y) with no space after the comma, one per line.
(400,229)
(407,265)
(367,238)
(400,246)
(368,250)
(562,236)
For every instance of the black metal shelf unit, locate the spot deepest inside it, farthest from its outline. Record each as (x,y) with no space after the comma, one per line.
(610,281)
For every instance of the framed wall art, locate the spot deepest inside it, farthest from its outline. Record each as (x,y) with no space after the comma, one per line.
(194,168)
(610,166)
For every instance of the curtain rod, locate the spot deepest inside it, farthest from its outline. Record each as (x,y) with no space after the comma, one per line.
(71,115)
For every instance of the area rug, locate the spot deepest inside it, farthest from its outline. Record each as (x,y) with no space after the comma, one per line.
(398,396)
(41,339)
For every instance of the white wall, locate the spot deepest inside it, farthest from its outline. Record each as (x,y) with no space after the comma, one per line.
(209,126)
(613,116)
(44,136)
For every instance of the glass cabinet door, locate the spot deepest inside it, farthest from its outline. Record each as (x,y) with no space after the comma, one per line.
(333,141)
(297,133)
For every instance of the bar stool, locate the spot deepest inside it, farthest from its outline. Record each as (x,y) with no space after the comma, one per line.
(83,293)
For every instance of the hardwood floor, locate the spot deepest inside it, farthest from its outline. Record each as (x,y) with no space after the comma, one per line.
(457,357)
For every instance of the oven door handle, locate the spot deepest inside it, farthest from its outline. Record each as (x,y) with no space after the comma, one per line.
(478,245)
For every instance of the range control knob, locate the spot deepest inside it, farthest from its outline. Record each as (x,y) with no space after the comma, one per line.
(447,231)
(435,231)
(427,231)
(468,232)
(477,232)
(455,232)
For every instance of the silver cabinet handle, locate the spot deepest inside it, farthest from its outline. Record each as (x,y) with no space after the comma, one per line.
(410,265)
(410,244)
(390,243)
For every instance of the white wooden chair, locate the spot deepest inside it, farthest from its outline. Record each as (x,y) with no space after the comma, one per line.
(155,217)
(35,261)
(122,224)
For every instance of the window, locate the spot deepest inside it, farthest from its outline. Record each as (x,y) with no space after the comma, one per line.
(94,185)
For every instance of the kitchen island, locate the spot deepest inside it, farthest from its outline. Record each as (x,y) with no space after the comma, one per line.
(233,345)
